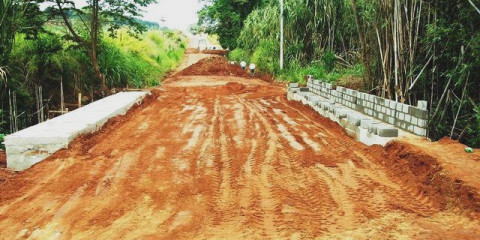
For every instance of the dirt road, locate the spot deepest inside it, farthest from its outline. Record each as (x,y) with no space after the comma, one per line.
(216,157)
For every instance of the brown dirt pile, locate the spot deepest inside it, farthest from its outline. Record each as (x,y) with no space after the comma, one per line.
(216,52)
(218,66)
(424,172)
(192,51)
(235,87)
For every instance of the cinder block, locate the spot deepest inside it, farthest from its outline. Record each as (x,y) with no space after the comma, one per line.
(399,107)
(393,104)
(422,123)
(423,114)
(379,100)
(304,89)
(372,127)
(340,89)
(423,105)
(293,85)
(384,130)
(340,113)
(391,120)
(383,109)
(401,124)
(365,122)
(420,131)
(387,103)
(355,118)
(414,120)
(408,118)
(401,116)
(371,98)
(409,127)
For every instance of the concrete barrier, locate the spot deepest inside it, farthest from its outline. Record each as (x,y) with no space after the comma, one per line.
(369,118)
(32,145)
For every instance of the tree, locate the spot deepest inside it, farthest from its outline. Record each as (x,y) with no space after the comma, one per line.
(111,14)
(16,16)
(225,18)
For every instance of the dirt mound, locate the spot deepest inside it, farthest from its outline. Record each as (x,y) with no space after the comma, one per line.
(216,52)
(424,173)
(213,52)
(235,87)
(192,51)
(218,66)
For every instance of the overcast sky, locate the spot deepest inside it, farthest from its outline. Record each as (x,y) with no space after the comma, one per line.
(178,14)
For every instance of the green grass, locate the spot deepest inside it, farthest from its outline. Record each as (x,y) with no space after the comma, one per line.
(265,57)
(144,61)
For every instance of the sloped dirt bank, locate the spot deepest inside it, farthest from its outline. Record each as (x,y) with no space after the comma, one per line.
(413,166)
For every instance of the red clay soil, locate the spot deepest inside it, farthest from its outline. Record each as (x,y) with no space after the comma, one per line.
(192,51)
(220,157)
(412,165)
(213,52)
(3,159)
(216,52)
(217,66)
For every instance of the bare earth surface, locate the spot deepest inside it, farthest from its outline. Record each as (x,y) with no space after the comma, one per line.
(211,157)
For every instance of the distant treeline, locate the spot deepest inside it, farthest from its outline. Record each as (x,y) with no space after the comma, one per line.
(406,50)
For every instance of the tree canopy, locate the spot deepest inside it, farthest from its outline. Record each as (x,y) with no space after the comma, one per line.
(110,14)
(225,18)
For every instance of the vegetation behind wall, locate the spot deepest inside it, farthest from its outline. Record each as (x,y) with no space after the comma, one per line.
(403,50)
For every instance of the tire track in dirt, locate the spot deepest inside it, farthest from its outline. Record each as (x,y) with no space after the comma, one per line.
(267,202)
(218,162)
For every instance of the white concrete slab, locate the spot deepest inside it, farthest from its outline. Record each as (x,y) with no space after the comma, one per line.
(32,145)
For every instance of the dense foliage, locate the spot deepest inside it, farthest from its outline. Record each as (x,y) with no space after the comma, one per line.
(225,18)
(46,57)
(405,50)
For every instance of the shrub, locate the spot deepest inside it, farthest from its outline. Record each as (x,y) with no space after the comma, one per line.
(239,55)
(328,60)
(266,57)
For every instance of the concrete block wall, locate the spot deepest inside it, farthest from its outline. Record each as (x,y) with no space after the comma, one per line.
(413,119)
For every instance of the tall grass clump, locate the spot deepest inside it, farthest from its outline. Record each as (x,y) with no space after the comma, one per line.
(141,62)
(239,55)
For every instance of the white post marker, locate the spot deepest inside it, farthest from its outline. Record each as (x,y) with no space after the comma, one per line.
(243,64)
(252,69)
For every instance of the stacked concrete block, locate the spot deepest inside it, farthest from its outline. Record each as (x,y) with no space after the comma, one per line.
(374,117)
(349,98)
(385,110)
(412,119)
(366,104)
(419,119)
